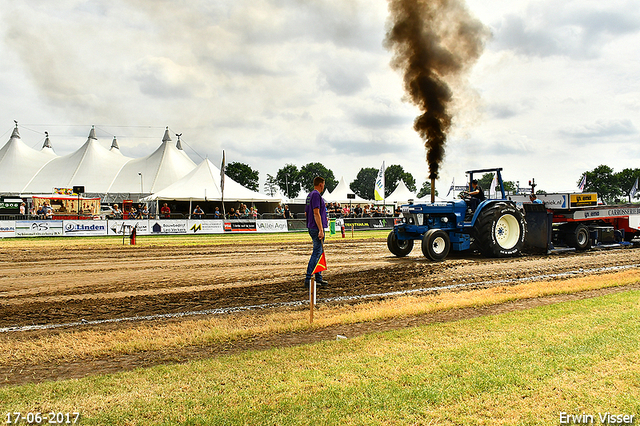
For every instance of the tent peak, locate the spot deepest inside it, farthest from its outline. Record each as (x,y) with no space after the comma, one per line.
(92,133)
(166,136)
(47,142)
(114,144)
(179,144)
(15,133)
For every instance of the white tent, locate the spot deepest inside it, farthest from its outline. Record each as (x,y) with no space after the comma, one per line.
(91,166)
(339,194)
(154,172)
(19,163)
(203,184)
(401,195)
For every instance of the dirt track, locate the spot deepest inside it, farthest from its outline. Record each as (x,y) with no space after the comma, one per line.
(54,286)
(48,285)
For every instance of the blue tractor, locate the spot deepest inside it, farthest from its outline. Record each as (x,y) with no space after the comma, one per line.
(495,227)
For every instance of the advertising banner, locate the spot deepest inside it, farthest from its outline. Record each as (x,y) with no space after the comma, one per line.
(584,200)
(297,224)
(206,226)
(369,223)
(84,227)
(7,228)
(240,225)
(118,227)
(277,225)
(167,226)
(38,228)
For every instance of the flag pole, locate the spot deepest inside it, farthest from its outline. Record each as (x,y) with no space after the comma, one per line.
(224,214)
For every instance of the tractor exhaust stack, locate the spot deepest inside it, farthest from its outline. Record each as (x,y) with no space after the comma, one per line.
(433,190)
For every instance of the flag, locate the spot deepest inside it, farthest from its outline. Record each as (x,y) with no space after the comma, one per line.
(378,191)
(494,185)
(583,183)
(222,173)
(452,186)
(322,264)
(634,189)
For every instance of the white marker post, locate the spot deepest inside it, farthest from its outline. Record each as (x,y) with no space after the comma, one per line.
(312,297)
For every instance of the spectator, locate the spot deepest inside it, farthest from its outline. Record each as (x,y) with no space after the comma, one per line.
(278,211)
(198,212)
(165,211)
(23,208)
(40,211)
(48,211)
(217,214)
(232,213)
(358,211)
(534,199)
(145,212)
(254,212)
(117,213)
(287,212)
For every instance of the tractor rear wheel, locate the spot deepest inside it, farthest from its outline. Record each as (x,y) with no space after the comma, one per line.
(436,244)
(500,230)
(400,248)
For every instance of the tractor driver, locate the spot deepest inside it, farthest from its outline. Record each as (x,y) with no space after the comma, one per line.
(477,195)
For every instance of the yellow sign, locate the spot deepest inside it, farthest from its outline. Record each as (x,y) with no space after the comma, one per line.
(584,200)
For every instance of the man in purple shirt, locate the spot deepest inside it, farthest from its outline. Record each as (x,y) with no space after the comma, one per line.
(316,214)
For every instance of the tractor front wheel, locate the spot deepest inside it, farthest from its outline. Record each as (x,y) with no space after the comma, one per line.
(400,248)
(436,244)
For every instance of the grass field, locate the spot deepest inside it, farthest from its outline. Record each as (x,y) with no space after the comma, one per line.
(523,367)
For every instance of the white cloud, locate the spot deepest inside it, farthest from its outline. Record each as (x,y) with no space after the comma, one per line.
(292,81)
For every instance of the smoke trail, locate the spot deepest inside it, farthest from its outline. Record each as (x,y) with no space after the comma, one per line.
(434,42)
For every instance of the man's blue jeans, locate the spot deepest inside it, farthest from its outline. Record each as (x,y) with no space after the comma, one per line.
(315,255)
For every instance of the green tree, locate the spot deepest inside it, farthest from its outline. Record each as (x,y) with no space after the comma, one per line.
(309,171)
(425,189)
(243,174)
(626,179)
(363,185)
(603,181)
(270,186)
(394,174)
(485,181)
(510,186)
(287,180)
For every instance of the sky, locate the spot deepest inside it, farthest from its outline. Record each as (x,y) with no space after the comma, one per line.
(273,82)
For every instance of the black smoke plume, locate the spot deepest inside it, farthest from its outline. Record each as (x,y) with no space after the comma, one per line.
(434,42)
